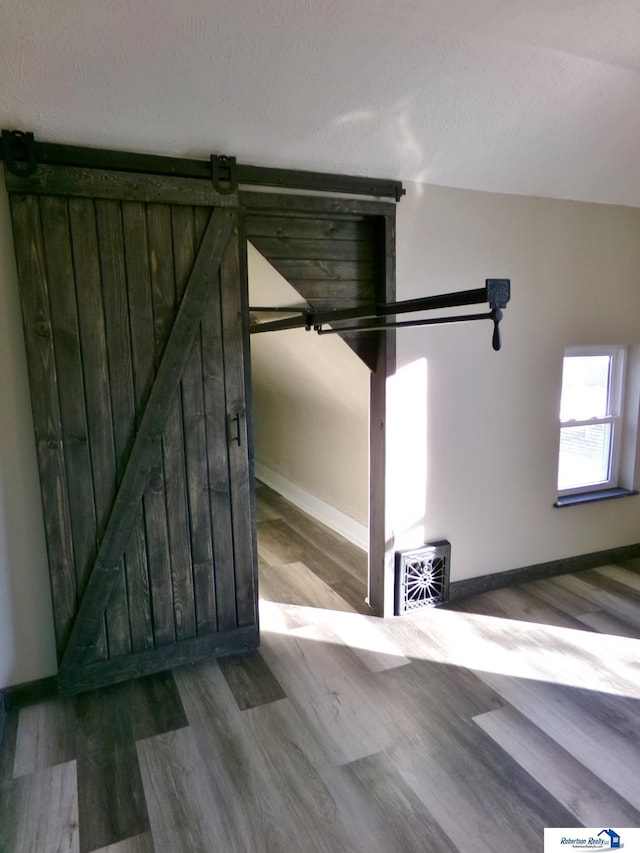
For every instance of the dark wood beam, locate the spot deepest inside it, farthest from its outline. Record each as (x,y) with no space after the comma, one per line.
(25,148)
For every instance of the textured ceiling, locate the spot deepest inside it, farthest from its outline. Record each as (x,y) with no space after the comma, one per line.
(539,97)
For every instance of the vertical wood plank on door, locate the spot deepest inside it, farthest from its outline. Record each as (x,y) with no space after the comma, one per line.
(217,450)
(135,560)
(136,265)
(234,354)
(195,443)
(66,337)
(250,447)
(140,616)
(164,311)
(142,354)
(114,294)
(46,410)
(86,264)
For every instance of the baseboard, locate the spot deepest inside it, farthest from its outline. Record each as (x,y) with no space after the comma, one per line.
(539,571)
(21,695)
(323,512)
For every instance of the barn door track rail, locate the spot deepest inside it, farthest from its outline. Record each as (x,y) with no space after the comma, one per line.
(497,292)
(22,154)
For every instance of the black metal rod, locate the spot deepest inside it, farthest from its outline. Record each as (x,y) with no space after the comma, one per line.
(256,309)
(299,322)
(426,303)
(434,321)
(51,153)
(432,303)
(495,314)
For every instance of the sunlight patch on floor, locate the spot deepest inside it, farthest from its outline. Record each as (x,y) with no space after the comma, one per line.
(477,642)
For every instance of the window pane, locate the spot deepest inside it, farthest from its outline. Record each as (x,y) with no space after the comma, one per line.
(585,452)
(585,387)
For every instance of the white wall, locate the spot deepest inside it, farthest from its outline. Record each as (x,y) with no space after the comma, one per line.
(311,412)
(486,476)
(27,644)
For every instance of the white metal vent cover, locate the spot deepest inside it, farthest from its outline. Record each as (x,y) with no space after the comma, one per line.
(422,577)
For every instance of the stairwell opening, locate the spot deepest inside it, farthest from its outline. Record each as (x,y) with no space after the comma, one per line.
(311,423)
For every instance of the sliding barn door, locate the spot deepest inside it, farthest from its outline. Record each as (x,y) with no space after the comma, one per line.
(135,324)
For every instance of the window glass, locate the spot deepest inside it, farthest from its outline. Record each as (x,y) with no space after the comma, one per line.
(590,410)
(585,455)
(585,387)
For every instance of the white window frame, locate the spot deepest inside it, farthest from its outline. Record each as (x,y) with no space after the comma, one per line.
(615,406)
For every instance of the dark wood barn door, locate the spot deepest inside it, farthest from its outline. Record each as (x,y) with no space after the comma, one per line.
(133,298)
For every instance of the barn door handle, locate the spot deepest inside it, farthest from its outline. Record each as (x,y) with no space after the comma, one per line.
(236,433)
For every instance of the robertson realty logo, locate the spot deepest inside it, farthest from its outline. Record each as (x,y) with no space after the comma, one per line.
(591,839)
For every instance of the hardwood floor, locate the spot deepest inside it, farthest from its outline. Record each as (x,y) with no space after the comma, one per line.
(438,731)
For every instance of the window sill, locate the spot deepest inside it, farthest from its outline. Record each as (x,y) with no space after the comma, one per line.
(593,497)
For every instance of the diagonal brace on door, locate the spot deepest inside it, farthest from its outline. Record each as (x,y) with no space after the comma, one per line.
(134,480)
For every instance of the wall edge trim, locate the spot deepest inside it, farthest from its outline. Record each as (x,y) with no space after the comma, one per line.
(335,519)
(485,583)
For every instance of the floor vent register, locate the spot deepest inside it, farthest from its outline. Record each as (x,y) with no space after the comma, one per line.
(422,577)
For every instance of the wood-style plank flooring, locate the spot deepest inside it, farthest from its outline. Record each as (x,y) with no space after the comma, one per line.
(440,731)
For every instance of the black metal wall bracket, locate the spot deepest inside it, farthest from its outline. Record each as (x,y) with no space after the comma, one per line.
(18,152)
(224,173)
(497,292)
